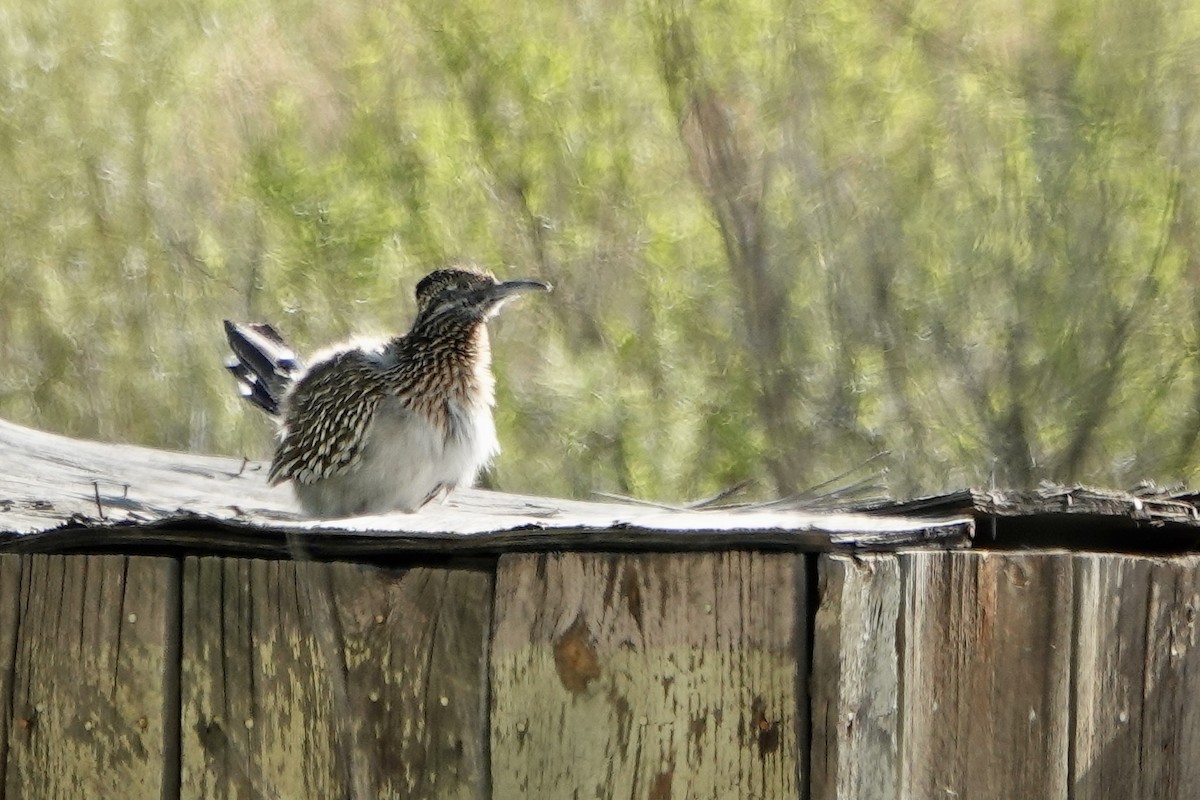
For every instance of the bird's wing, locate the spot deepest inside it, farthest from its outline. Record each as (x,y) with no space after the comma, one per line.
(326,416)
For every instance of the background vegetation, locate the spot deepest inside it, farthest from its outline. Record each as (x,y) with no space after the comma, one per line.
(785,236)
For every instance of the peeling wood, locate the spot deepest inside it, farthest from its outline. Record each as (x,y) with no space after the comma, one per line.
(85,683)
(664,676)
(333,680)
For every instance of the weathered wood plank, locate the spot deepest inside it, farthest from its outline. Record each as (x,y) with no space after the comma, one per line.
(186,534)
(333,680)
(986,676)
(1106,508)
(651,676)
(855,679)
(86,635)
(10,617)
(62,495)
(1137,705)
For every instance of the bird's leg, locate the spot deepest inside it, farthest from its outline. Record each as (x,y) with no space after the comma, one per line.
(440,493)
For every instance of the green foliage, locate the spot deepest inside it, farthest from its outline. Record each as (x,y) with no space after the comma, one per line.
(785,237)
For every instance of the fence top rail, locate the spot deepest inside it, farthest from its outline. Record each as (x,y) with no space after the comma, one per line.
(64,495)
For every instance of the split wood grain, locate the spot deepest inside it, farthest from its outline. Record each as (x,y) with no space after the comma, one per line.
(57,494)
(855,679)
(986,675)
(333,680)
(10,620)
(1137,730)
(84,641)
(651,676)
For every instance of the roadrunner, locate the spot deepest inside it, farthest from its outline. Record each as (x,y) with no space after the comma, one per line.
(371,427)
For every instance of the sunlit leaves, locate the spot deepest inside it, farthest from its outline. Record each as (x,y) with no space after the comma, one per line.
(973,225)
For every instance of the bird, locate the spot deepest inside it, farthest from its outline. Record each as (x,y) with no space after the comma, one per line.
(368,427)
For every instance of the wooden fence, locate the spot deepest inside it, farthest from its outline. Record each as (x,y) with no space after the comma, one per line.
(726,674)
(148,651)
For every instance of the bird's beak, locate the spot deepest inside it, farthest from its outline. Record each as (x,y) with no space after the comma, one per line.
(509,288)
(492,298)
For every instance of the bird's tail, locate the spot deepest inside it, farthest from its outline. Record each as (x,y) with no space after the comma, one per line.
(262,363)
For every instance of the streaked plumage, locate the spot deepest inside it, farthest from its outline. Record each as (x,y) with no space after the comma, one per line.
(372,427)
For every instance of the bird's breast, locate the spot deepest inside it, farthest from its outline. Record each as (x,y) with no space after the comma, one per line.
(470,438)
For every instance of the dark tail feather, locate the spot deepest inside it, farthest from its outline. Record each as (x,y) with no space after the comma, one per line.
(262,363)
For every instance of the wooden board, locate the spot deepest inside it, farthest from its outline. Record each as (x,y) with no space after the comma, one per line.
(650,676)
(86,637)
(986,675)
(1100,508)
(855,679)
(61,495)
(353,540)
(333,680)
(1137,731)
(10,616)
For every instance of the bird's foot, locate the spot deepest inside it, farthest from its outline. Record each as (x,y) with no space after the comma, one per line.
(440,494)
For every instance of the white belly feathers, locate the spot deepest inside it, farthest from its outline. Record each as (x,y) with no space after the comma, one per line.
(407,462)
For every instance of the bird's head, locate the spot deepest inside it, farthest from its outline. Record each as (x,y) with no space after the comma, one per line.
(468,292)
